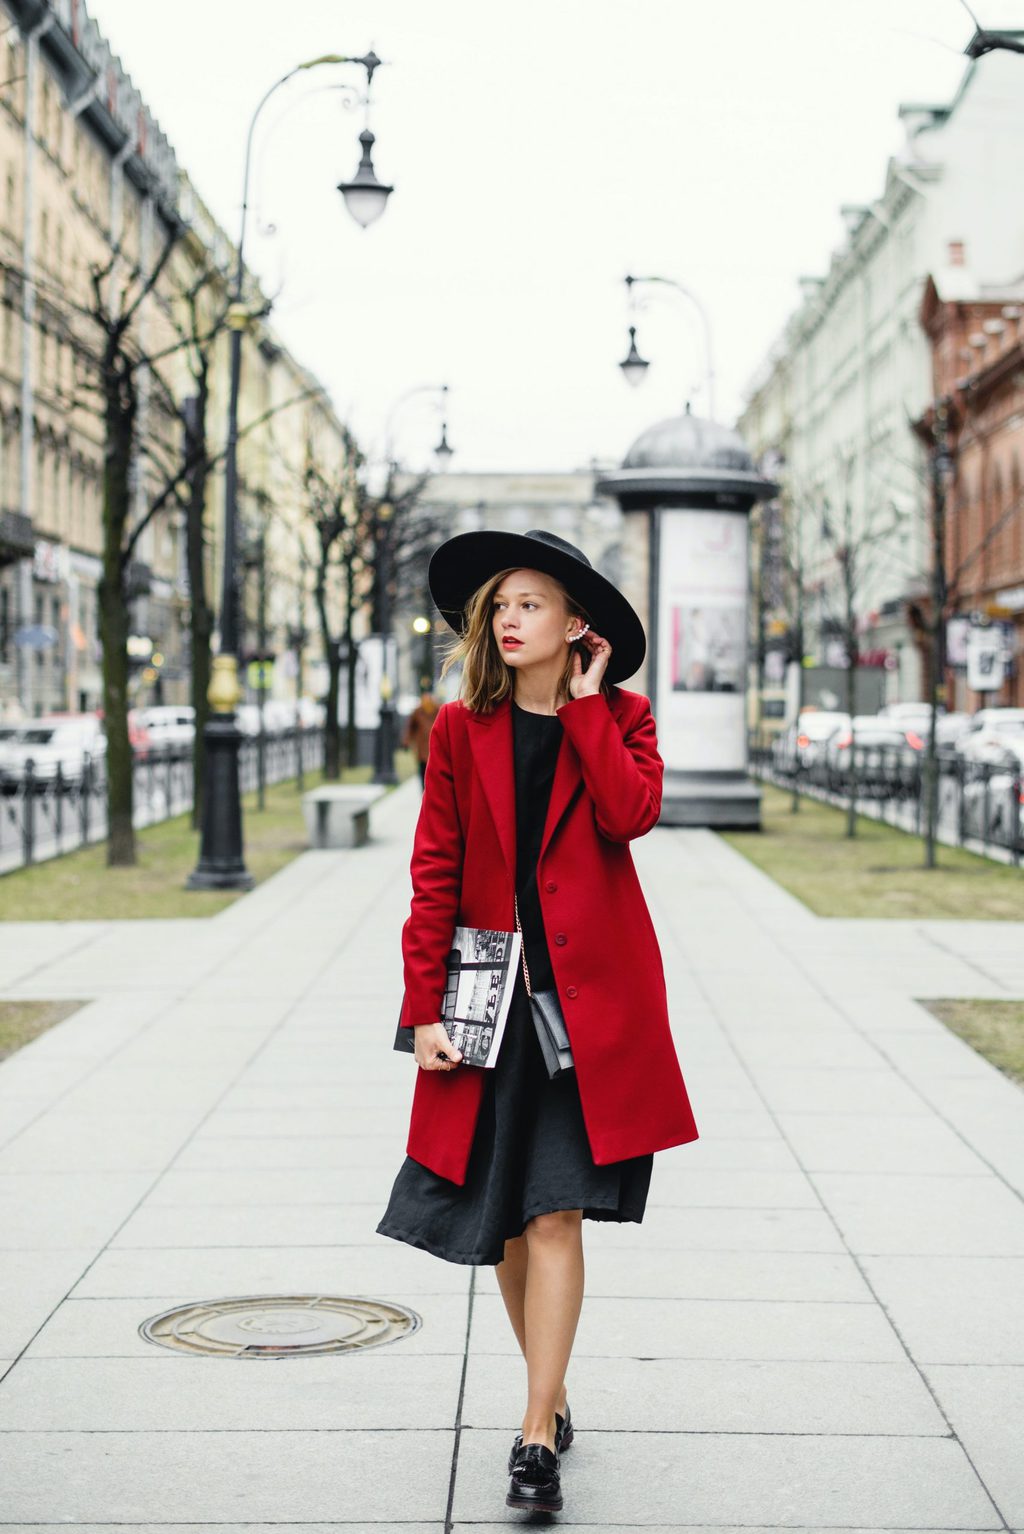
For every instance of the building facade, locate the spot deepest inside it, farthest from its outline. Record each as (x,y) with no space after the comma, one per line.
(977,340)
(833,402)
(90,194)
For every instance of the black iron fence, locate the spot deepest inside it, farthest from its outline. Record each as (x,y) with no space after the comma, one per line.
(980,804)
(44,816)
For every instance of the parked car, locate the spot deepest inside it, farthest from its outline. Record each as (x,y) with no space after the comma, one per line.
(52,742)
(883,752)
(802,745)
(990,730)
(907,712)
(169,726)
(989,794)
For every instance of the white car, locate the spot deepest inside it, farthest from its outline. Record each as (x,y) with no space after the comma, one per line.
(883,749)
(168,725)
(908,712)
(991,729)
(51,742)
(804,744)
(990,794)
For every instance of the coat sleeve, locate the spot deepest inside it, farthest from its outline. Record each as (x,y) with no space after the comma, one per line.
(622,770)
(436,869)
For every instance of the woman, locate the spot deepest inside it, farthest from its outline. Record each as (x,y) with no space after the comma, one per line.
(538,778)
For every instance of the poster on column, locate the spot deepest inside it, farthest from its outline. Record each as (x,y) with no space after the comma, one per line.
(702,639)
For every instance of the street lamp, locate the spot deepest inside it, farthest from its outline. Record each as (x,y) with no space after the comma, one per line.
(443,452)
(365,196)
(385,763)
(221,859)
(425,629)
(634,368)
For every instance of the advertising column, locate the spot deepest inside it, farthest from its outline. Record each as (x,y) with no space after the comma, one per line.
(702,639)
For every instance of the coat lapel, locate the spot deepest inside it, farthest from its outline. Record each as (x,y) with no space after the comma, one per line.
(491,743)
(490,738)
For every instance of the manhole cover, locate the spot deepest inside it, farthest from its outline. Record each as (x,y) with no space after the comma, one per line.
(280,1325)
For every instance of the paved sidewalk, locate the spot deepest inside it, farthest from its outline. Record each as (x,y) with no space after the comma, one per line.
(819,1324)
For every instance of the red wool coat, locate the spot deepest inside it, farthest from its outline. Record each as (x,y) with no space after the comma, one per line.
(604,952)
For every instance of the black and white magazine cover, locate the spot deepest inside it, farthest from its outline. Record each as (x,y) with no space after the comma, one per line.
(482,966)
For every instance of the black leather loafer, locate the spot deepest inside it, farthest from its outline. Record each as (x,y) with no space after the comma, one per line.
(563,1436)
(536,1484)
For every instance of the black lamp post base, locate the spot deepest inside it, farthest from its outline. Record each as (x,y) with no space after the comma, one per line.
(221,863)
(385,764)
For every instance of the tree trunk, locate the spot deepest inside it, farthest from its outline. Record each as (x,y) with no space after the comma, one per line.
(352,661)
(851,690)
(332,729)
(939,464)
(201,623)
(119,414)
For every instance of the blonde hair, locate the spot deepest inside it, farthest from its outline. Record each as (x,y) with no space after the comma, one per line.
(486,679)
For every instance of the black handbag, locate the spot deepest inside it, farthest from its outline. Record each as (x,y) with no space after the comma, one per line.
(552,1034)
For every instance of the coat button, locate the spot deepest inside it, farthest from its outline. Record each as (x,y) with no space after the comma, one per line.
(561,939)
(550,886)
(571,990)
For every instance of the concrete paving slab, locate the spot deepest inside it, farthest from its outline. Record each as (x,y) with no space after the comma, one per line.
(166,1478)
(386,1270)
(962,1310)
(98,1142)
(799,1089)
(718,1275)
(384,1387)
(986,1408)
(704,1187)
(33,1284)
(901,1144)
(260,1528)
(678,1395)
(668,1328)
(47,1210)
(639,1479)
(951,1215)
(685,1228)
(345,1223)
(309,1153)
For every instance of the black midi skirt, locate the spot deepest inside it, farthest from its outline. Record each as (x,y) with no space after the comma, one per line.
(530,1155)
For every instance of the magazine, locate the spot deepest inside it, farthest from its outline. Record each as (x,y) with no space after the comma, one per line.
(482,968)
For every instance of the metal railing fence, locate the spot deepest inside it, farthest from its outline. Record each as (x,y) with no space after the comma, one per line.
(43,817)
(979,803)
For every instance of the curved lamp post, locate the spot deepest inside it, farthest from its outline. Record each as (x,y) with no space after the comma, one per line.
(221,859)
(443,452)
(634,367)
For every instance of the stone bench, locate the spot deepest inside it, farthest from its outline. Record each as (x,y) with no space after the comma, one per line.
(338,814)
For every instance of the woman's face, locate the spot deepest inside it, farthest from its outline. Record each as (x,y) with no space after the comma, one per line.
(530,620)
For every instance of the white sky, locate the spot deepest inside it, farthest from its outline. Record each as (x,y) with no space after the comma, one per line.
(540,150)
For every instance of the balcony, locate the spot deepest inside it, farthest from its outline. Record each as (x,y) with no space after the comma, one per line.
(17,540)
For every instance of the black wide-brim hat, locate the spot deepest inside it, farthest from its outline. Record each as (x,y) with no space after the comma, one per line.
(460,567)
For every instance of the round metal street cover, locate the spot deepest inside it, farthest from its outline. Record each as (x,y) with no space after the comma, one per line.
(280,1326)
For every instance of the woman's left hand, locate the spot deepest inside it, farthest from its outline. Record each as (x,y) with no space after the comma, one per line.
(583,684)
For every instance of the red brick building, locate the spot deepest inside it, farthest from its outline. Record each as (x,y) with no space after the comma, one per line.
(977,338)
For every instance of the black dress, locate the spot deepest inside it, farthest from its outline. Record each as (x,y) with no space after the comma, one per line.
(530,1152)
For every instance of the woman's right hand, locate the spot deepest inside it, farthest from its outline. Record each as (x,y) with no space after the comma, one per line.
(431,1042)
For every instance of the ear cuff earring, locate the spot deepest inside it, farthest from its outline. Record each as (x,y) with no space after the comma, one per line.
(584,630)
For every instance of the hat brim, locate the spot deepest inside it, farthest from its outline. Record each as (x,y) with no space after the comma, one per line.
(460,566)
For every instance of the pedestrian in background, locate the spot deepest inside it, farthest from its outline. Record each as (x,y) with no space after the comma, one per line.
(418,727)
(539,776)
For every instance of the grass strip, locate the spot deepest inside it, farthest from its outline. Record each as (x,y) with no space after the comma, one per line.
(80,887)
(23,1021)
(994,1028)
(878,873)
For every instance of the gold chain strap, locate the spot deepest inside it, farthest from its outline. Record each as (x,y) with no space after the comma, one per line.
(526,972)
